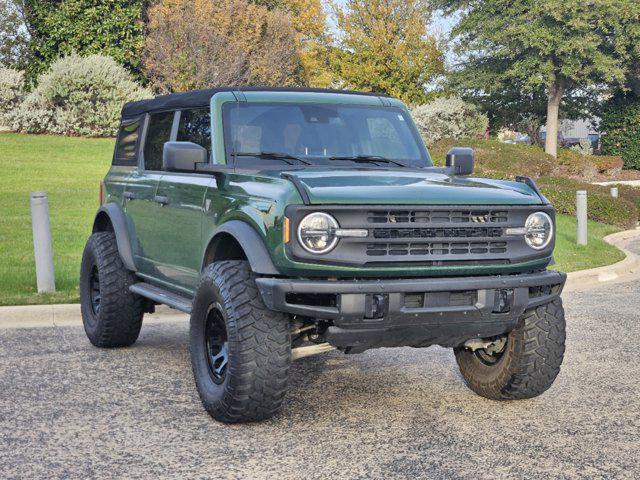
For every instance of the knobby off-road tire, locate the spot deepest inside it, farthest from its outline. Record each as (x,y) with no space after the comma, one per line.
(251,382)
(529,363)
(111,314)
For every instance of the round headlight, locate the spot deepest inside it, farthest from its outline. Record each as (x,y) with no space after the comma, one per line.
(538,230)
(317,232)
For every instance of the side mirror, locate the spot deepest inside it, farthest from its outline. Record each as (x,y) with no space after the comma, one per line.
(182,156)
(460,160)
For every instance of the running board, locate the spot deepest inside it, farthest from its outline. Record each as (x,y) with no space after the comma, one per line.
(163,296)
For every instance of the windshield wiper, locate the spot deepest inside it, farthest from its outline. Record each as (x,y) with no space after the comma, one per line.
(285,157)
(367,159)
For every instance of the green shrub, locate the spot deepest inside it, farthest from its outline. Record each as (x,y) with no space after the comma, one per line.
(499,160)
(78,96)
(11,91)
(601,207)
(449,118)
(621,126)
(504,160)
(587,167)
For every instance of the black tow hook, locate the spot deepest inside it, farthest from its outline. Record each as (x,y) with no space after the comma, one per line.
(376,306)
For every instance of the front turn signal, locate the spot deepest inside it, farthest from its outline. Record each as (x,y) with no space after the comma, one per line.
(287,231)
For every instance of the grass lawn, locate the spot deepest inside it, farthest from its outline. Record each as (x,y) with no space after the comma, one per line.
(70,169)
(571,257)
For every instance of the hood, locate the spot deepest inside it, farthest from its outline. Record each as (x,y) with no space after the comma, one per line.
(409,187)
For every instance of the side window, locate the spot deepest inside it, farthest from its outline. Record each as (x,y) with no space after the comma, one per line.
(127,140)
(195,126)
(158,132)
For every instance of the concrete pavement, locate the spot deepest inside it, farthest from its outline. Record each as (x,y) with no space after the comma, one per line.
(68,410)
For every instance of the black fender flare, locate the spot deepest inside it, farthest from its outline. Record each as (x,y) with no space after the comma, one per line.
(253,246)
(119,222)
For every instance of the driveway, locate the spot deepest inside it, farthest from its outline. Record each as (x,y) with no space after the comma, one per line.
(68,410)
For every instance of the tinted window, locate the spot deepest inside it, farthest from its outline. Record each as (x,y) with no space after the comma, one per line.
(321,134)
(195,126)
(126,143)
(158,132)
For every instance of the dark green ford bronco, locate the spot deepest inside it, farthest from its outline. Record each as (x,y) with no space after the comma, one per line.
(291,222)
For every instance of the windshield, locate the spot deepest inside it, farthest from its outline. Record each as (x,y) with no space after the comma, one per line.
(278,135)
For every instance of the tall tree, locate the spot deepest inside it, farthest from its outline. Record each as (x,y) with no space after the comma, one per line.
(61,27)
(385,47)
(14,37)
(508,102)
(310,21)
(200,43)
(558,46)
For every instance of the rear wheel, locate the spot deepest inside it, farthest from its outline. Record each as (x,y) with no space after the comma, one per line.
(111,314)
(240,350)
(522,364)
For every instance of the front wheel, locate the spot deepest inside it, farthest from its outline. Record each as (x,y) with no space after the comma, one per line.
(522,364)
(240,350)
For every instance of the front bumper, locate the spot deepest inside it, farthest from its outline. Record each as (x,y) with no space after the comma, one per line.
(364,314)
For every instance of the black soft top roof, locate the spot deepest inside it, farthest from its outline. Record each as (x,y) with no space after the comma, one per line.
(201,98)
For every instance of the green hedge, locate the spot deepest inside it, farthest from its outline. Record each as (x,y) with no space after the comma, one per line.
(500,160)
(621,126)
(601,207)
(587,167)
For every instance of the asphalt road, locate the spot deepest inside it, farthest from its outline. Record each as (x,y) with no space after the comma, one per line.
(68,410)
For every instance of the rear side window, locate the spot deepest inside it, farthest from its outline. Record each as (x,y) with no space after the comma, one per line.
(158,132)
(126,143)
(195,126)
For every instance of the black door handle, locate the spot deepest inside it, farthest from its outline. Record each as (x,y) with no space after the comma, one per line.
(129,195)
(161,199)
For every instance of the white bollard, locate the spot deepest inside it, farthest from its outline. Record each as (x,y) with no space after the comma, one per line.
(614,192)
(45,278)
(581,214)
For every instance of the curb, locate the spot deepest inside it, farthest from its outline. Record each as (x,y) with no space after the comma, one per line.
(35,316)
(622,270)
(63,315)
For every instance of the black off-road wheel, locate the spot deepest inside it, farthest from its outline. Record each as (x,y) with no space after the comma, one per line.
(522,364)
(111,314)
(240,350)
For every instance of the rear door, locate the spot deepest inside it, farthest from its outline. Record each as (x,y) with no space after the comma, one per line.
(183,195)
(141,205)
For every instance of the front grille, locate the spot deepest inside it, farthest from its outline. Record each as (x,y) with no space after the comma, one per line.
(438,236)
(435,248)
(438,216)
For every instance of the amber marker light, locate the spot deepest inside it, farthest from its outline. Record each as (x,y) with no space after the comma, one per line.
(287,230)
